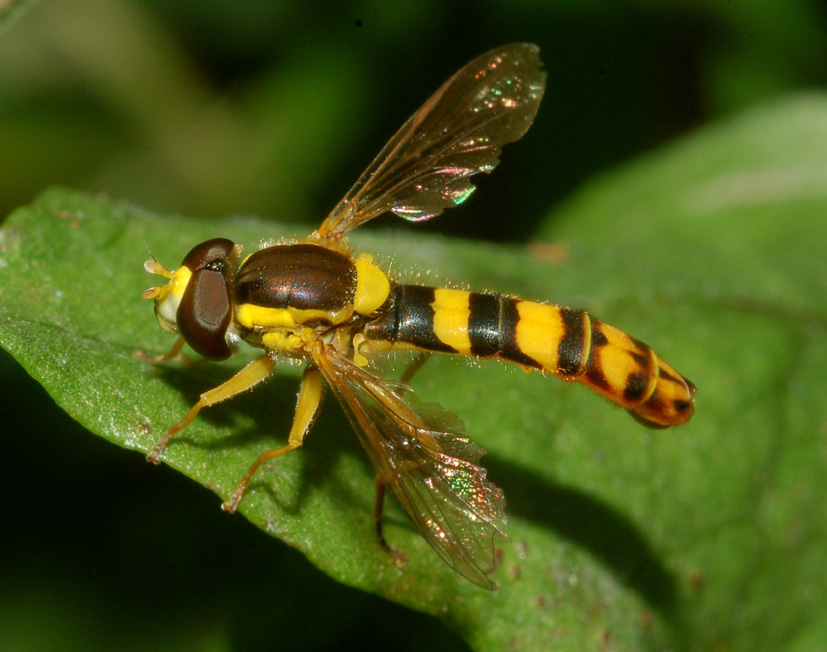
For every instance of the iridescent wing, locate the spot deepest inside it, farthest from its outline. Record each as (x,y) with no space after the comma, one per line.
(458,132)
(425,456)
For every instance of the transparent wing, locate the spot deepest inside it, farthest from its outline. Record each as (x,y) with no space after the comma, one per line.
(457,133)
(425,456)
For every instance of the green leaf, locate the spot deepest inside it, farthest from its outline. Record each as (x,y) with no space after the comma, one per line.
(10,10)
(727,232)
(713,252)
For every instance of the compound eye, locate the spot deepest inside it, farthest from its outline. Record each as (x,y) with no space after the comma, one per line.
(206,309)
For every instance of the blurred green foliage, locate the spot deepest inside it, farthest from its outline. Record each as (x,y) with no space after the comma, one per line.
(272,109)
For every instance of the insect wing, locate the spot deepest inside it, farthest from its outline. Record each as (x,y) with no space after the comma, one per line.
(425,456)
(456,134)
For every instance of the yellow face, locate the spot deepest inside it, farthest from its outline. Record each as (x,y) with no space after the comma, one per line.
(167,297)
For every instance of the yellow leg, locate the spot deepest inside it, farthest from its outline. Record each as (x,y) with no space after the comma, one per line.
(310,397)
(174,354)
(251,375)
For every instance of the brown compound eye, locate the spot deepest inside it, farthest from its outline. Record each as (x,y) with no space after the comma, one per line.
(206,309)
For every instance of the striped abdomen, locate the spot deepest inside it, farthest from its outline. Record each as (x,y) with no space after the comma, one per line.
(570,344)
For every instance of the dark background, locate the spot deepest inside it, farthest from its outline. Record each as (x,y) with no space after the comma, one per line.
(273,109)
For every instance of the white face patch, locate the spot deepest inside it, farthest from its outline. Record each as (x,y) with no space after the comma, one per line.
(166,310)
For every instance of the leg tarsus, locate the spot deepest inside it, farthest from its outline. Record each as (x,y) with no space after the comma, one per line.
(310,397)
(232,504)
(173,354)
(155,454)
(397,556)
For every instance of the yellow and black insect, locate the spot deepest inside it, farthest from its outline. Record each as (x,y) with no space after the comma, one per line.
(316,301)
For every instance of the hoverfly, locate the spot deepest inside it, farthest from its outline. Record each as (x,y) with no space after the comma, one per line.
(317,301)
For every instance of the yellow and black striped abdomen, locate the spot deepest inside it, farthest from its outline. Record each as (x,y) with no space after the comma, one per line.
(570,344)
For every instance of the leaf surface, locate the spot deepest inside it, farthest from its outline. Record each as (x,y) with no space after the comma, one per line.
(713,252)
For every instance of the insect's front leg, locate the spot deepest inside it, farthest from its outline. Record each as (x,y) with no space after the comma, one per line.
(245,379)
(310,398)
(173,354)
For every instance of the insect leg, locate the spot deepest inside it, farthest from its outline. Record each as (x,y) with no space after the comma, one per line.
(398,557)
(173,354)
(245,379)
(310,397)
(416,364)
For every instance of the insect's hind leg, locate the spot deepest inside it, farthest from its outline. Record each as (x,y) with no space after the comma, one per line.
(310,398)
(415,365)
(397,556)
